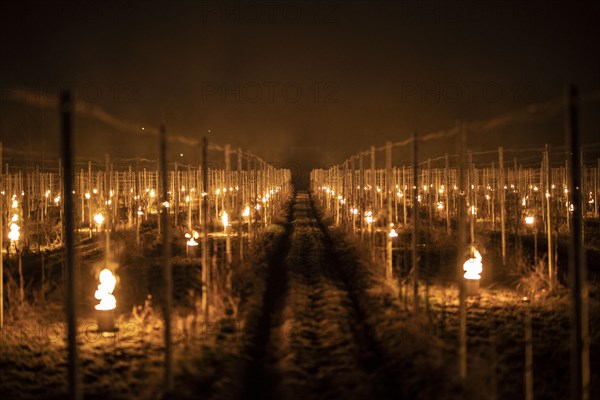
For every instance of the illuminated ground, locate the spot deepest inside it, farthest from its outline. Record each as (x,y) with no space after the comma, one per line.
(315,320)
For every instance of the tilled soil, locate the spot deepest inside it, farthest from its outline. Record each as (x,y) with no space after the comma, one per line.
(318,336)
(317,321)
(496,340)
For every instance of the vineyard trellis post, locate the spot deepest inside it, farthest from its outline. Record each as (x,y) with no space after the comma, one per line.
(548,196)
(415,230)
(502,193)
(580,362)
(108,225)
(204,197)
(373,181)
(362,193)
(189,198)
(176,185)
(227,209)
(137,203)
(596,178)
(166,256)
(471,190)
(389,192)
(1,246)
(447,191)
(66,119)
(240,203)
(89,200)
(582,192)
(528,373)
(404,194)
(460,246)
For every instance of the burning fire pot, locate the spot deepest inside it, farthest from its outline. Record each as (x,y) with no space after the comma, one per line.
(473,268)
(105,311)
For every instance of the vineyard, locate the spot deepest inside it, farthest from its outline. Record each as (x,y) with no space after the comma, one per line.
(224,280)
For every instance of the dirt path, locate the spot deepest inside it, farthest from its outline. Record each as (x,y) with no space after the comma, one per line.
(312,340)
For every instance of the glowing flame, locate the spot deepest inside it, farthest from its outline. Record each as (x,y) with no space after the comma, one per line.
(105,289)
(473,266)
(87,196)
(14,233)
(393,233)
(246,212)
(369,217)
(529,220)
(225,219)
(192,238)
(99,218)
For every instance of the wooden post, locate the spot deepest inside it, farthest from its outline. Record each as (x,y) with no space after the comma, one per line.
(373,182)
(548,195)
(337,193)
(240,203)
(493,199)
(137,203)
(596,178)
(175,193)
(582,193)
(227,195)
(1,246)
(528,375)
(471,192)
(353,194)
(166,257)
(447,191)
(580,344)
(188,197)
(66,118)
(362,193)
(89,201)
(108,224)
(61,209)
(460,256)
(205,267)
(404,194)
(502,205)
(389,191)
(427,193)
(415,229)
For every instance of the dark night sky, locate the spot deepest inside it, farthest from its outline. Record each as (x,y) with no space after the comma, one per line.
(311,81)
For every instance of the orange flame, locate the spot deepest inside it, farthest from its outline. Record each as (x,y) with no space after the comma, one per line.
(105,289)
